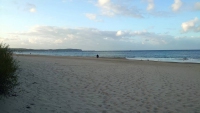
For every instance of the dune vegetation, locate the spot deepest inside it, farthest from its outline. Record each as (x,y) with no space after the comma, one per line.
(8,69)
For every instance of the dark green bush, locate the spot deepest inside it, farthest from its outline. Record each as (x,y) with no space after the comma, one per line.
(8,68)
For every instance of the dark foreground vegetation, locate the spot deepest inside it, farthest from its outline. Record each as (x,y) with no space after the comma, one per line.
(8,68)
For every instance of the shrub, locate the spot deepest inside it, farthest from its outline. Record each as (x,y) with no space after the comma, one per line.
(8,68)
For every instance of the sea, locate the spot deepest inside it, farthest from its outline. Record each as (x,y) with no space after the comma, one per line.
(183,56)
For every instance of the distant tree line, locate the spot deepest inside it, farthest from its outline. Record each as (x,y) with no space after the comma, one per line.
(25,50)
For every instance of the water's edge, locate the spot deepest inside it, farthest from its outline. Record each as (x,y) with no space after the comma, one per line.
(184,56)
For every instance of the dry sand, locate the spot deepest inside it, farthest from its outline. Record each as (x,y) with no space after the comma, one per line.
(90,85)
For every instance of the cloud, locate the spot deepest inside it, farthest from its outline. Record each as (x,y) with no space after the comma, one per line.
(91,16)
(61,35)
(27,7)
(197,6)
(119,33)
(87,38)
(110,9)
(103,2)
(58,41)
(92,34)
(31,8)
(33,40)
(177,5)
(150,5)
(191,25)
(161,14)
(1,40)
(10,38)
(152,38)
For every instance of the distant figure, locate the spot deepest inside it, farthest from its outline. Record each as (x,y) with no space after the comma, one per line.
(97,56)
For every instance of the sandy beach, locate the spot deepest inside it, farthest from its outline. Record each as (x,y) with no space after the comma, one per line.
(89,85)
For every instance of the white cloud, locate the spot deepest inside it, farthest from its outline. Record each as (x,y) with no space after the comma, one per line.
(10,37)
(58,41)
(103,2)
(87,38)
(61,35)
(177,5)
(150,5)
(1,40)
(31,8)
(197,6)
(161,14)
(69,37)
(91,16)
(119,33)
(190,25)
(109,8)
(152,38)
(33,40)
(28,7)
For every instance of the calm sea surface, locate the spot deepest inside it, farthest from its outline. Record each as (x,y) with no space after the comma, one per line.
(154,55)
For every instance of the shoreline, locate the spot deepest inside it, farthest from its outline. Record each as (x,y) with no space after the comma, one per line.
(105,58)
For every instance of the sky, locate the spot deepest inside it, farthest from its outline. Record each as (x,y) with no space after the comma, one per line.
(101,24)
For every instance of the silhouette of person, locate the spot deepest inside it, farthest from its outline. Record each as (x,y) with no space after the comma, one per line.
(97,56)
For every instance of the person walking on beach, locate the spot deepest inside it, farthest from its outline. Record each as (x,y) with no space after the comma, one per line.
(97,56)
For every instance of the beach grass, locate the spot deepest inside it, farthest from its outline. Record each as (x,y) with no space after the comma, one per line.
(8,68)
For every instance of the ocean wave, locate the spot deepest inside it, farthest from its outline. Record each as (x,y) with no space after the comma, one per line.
(183,60)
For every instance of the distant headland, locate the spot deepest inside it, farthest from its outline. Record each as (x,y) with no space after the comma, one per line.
(24,49)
